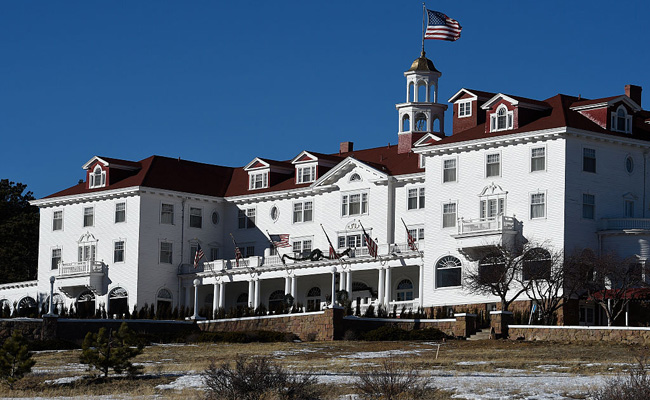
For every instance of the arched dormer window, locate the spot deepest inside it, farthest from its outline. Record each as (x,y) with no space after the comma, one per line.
(621,121)
(406,123)
(502,119)
(420,122)
(97,177)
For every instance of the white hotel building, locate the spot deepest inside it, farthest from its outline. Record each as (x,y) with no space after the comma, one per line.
(567,172)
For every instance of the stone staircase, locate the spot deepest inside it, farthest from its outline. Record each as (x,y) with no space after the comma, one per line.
(483,334)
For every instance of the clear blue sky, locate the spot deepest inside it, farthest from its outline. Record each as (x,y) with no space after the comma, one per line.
(224,81)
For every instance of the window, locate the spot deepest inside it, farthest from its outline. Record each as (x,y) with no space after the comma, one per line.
(629,164)
(415,198)
(351,240)
(449,215)
(493,165)
(166,252)
(537,265)
(502,119)
(215,217)
(537,205)
(120,212)
(306,174)
(464,108)
(118,251)
(416,233)
(258,180)
(621,122)
(537,159)
(355,177)
(214,253)
(246,218)
(629,208)
(448,272)
(167,214)
(303,212)
(492,269)
(449,170)
(97,178)
(89,214)
(57,220)
(274,213)
(313,299)
(86,252)
(56,258)
(588,160)
(354,204)
(588,206)
(196,217)
(491,208)
(301,247)
(404,290)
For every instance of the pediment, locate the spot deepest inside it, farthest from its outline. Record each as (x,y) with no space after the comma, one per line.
(492,189)
(464,94)
(303,157)
(93,161)
(257,163)
(365,171)
(427,140)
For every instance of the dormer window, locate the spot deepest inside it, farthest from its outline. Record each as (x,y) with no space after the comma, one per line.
(305,174)
(501,120)
(258,180)
(621,121)
(464,108)
(97,178)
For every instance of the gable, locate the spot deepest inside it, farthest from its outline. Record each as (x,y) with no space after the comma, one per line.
(345,169)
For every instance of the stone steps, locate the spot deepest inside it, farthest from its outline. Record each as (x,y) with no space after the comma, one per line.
(480,335)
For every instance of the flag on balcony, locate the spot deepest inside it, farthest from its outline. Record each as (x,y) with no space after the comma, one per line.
(238,254)
(411,240)
(280,240)
(371,244)
(198,255)
(333,253)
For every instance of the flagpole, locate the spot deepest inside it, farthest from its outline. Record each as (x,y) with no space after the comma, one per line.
(424,13)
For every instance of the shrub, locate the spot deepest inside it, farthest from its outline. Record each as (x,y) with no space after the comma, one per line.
(392,381)
(258,378)
(106,350)
(636,386)
(15,359)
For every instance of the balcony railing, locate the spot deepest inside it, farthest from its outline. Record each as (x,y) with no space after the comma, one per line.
(81,268)
(485,225)
(621,224)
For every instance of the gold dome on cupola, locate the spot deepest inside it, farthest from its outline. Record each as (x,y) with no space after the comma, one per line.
(423,64)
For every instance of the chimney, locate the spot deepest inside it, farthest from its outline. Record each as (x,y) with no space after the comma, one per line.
(346,147)
(634,93)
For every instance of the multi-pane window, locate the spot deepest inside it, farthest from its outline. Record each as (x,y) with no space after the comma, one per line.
(621,121)
(258,180)
(588,206)
(449,170)
(448,272)
(56,258)
(214,253)
(302,247)
(306,174)
(416,233)
(248,251)
(120,212)
(493,165)
(196,217)
(415,198)
(97,178)
(629,208)
(465,109)
(354,204)
(404,290)
(89,215)
(167,214)
(588,160)
(502,119)
(57,220)
(353,240)
(166,252)
(448,215)
(246,218)
(537,205)
(303,212)
(490,208)
(86,252)
(118,251)
(537,159)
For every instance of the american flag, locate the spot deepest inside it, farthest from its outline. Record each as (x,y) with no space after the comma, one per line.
(198,255)
(441,27)
(412,245)
(371,244)
(238,256)
(280,240)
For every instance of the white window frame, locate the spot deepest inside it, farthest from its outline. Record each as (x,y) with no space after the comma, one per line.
(445,169)
(364,206)
(626,117)
(494,119)
(420,199)
(115,249)
(533,158)
(162,206)
(464,108)
(301,211)
(199,215)
(52,257)
(487,156)
(94,176)
(422,160)
(344,239)
(455,213)
(416,231)
(592,205)
(542,204)
(302,246)
(171,252)
(54,219)
(258,180)
(91,214)
(248,217)
(305,173)
(214,254)
(457,265)
(122,211)
(595,158)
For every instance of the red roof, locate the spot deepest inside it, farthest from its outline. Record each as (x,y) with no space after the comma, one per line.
(632,294)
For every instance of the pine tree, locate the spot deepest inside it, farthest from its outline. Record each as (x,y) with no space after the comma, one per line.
(15,359)
(107,350)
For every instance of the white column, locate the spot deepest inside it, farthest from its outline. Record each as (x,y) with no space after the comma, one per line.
(348,284)
(333,286)
(380,286)
(215,297)
(342,280)
(387,291)
(421,285)
(257,293)
(251,293)
(294,286)
(287,285)
(107,302)
(222,295)
(196,316)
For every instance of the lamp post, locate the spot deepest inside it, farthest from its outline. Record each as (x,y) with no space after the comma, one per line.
(333,287)
(50,312)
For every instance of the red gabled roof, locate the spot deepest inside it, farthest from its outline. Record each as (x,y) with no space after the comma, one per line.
(594,101)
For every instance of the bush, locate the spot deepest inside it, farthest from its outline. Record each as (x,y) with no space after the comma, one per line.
(15,359)
(634,387)
(392,381)
(106,350)
(258,378)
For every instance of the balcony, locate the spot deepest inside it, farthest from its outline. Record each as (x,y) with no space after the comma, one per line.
(633,225)
(80,275)
(476,236)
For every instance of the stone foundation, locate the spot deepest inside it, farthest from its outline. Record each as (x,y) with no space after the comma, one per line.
(581,334)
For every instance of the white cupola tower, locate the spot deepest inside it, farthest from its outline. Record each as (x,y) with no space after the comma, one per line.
(421,114)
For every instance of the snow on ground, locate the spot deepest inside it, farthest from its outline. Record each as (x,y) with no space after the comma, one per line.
(381,354)
(192,380)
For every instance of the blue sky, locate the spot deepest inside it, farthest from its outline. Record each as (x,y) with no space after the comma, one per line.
(222,82)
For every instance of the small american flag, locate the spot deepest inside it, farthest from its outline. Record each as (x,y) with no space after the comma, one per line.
(412,245)
(371,244)
(441,27)
(198,255)
(281,240)
(238,256)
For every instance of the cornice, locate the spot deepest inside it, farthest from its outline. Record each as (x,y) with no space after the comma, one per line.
(283,194)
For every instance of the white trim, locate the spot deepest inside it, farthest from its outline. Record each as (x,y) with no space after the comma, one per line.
(530,204)
(530,158)
(611,102)
(466,103)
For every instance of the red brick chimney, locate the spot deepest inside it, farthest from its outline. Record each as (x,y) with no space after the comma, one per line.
(634,93)
(346,147)
(405,141)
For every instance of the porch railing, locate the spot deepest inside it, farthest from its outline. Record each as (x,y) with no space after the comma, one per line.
(624,223)
(497,224)
(81,268)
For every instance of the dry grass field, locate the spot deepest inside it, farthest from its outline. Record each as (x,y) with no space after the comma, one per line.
(476,369)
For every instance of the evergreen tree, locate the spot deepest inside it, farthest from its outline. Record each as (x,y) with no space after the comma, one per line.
(107,350)
(15,359)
